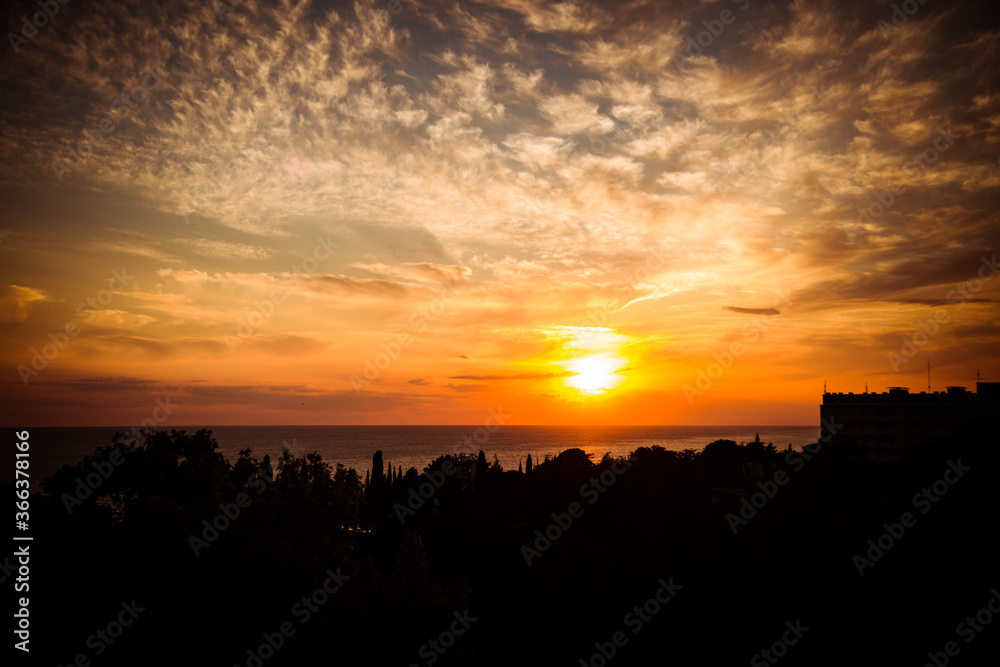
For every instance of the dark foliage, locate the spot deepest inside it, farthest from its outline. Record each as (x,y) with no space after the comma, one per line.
(421,547)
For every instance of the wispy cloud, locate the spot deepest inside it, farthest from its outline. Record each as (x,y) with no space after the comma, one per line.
(752,311)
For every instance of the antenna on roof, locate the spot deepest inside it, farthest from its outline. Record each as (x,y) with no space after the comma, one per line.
(824,386)
(979,378)
(866,386)
(928,373)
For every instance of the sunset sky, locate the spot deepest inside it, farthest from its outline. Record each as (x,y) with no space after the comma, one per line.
(413,211)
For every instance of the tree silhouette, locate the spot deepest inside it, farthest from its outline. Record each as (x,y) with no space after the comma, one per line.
(461,549)
(481,467)
(378,468)
(721,450)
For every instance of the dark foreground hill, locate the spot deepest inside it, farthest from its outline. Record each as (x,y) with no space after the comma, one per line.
(163,552)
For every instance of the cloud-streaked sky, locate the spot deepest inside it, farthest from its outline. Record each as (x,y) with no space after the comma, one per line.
(409,211)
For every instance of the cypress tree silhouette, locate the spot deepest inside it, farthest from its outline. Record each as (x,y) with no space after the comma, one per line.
(378,469)
(527,467)
(481,467)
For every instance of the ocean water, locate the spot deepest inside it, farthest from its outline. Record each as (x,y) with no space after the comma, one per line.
(417,446)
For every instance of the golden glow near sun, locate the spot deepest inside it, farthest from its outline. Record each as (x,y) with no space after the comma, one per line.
(594,357)
(595,374)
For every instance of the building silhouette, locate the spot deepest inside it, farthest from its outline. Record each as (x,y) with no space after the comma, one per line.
(883,425)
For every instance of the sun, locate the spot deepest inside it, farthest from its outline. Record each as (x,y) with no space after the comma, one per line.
(595,374)
(592,360)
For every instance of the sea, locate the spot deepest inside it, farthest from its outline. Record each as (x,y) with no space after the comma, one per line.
(416,446)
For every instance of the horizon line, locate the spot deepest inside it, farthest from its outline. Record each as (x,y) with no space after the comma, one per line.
(477,424)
